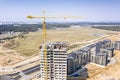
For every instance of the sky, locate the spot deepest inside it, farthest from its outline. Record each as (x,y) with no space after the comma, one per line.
(92,10)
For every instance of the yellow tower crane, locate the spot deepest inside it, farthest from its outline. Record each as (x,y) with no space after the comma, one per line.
(44,35)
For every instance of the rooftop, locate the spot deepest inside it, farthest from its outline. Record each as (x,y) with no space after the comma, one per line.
(55,45)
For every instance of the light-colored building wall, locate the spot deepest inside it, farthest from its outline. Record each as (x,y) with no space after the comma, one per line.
(56,61)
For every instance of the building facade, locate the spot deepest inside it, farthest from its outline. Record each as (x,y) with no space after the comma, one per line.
(99,53)
(100,58)
(56,61)
(116,45)
(78,59)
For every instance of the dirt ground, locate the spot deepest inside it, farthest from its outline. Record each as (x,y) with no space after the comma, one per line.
(110,72)
(9,57)
(29,45)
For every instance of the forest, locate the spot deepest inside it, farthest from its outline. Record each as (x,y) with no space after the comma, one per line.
(29,27)
(112,28)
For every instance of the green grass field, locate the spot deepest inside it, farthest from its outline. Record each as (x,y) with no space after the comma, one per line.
(30,44)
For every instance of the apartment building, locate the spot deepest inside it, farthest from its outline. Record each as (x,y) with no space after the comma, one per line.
(56,61)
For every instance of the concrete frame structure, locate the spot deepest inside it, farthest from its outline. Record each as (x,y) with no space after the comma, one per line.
(98,53)
(109,51)
(56,61)
(100,58)
(116,45)
(78,59)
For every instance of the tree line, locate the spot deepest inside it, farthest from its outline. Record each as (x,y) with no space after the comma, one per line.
(112,28)
(29,27)
(19,28)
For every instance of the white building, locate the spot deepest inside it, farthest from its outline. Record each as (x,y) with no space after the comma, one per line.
(56,61)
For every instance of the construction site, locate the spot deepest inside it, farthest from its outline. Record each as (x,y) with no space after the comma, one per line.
(60,58)
(86,62)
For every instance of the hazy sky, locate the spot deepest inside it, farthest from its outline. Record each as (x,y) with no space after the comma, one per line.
(93,10)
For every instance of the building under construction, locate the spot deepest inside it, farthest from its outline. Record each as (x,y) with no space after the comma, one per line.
(56,61)
(116,45)
(99,53)
(100,58)
(60,64)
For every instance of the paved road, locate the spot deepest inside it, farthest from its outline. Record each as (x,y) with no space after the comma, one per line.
(23,73)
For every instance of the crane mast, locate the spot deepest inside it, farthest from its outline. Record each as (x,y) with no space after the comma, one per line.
(45,52)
